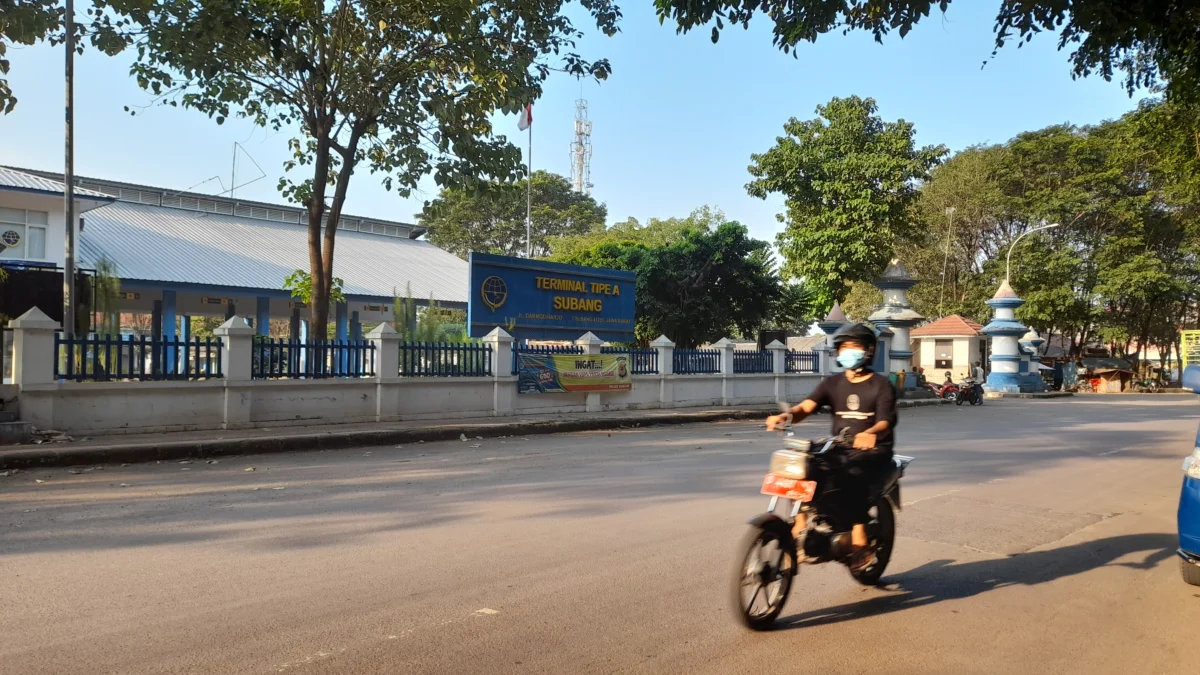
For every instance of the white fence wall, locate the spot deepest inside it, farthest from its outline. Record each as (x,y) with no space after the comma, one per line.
(150,407)
(237,401)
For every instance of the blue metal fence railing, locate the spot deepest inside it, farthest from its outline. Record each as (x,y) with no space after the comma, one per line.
(517,351)
(442,359)
(103,359)
(641,361)
(697,361)
(753,362)
(286,359)
(802,362)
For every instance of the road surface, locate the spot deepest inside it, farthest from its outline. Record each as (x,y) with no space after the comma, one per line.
(1037,537)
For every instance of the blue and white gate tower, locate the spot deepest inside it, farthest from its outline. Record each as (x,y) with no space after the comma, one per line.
(1011,367)
(897,316)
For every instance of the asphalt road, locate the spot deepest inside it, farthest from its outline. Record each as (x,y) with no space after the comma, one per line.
(1037,537)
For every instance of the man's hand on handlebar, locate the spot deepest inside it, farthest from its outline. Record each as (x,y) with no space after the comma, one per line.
(779,422)
(864,441)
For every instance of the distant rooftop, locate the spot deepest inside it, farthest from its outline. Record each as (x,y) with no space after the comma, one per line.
(949,326)
(192,201)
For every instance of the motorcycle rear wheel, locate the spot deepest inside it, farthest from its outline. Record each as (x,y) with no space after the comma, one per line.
(883,536)
(952,396)
(768,577)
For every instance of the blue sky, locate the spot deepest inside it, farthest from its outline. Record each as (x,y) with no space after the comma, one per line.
(674,126)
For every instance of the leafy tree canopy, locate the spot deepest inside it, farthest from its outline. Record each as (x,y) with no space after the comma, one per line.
(401,89)
(1150,41)
(849,180)
(656,232)
(492,219)
(707,285)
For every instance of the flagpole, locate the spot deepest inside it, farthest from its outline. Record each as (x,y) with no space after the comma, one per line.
(529,198)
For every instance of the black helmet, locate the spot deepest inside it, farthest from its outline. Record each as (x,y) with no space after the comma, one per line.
(860,333)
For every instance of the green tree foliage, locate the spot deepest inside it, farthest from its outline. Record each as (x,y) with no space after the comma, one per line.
(106,285)
(300,284)
(849,180)
(1151,41)
(401,89)
(1122,269)
(492,219)
(431,323)
(701,288)
(656,232)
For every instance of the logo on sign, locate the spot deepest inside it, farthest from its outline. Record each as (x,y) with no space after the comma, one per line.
(494,292)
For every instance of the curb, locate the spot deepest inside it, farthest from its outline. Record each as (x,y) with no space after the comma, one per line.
(992,396)
(44,456)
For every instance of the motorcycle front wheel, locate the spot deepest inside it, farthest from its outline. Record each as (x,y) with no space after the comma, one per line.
(764,577)
(882,530)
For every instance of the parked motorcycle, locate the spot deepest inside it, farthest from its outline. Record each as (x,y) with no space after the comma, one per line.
(947,390)
(1149,387)
(970,392)
(801,479)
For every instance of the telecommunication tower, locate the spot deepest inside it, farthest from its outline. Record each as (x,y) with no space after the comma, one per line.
(581,150)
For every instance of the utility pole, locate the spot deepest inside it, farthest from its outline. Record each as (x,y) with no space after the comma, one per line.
(950,210)
(69,179)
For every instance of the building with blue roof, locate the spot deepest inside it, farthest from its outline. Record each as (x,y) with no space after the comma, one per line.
(180,255)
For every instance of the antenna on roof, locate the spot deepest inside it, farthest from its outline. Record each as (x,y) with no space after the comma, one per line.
(233,175)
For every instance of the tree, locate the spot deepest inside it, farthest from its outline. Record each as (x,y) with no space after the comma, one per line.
(656,232)
(1152,41)
(849,180)
(492,220)
(405,90)
(704,287)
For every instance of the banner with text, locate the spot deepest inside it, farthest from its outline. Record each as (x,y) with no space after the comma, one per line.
(565,373)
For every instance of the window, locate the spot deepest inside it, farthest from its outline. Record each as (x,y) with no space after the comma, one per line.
(23,234)
(943,354)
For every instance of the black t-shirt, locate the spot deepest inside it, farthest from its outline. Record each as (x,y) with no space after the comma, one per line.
(859,406)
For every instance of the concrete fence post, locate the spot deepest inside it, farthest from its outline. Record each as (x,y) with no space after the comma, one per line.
(779,368)
(387,371)
(237,354)
(590,343)
(824,360)
(778,357)
(666,371)
(502,385)
(666,355)
(33,348)
(592,346)
(726,347)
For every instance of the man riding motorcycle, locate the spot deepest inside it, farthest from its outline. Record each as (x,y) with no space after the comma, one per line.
(864,404)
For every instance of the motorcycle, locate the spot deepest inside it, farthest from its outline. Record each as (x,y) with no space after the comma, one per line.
(970,392)
(947,390)
(801,478)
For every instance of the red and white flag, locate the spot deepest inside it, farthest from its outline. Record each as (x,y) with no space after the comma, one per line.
(525,119)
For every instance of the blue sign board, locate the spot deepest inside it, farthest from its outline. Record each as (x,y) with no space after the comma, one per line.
(536,300)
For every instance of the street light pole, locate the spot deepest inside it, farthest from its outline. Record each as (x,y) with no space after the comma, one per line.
(950,210)
(69,178)
(1008,262)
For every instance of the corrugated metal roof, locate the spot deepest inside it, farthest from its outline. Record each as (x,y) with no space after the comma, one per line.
(10,178)
(153,243)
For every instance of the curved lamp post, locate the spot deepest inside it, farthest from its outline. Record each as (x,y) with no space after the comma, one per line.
(1008,262)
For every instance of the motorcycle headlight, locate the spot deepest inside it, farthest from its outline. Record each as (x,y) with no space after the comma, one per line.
(1191,464)
(789,463)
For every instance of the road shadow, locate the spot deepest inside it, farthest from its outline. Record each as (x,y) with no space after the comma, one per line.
(943,580)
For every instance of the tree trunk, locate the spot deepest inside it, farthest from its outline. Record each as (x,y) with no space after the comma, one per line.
(319,301)
(335,209)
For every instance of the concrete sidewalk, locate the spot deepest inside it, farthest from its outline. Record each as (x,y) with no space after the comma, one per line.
(194,444)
